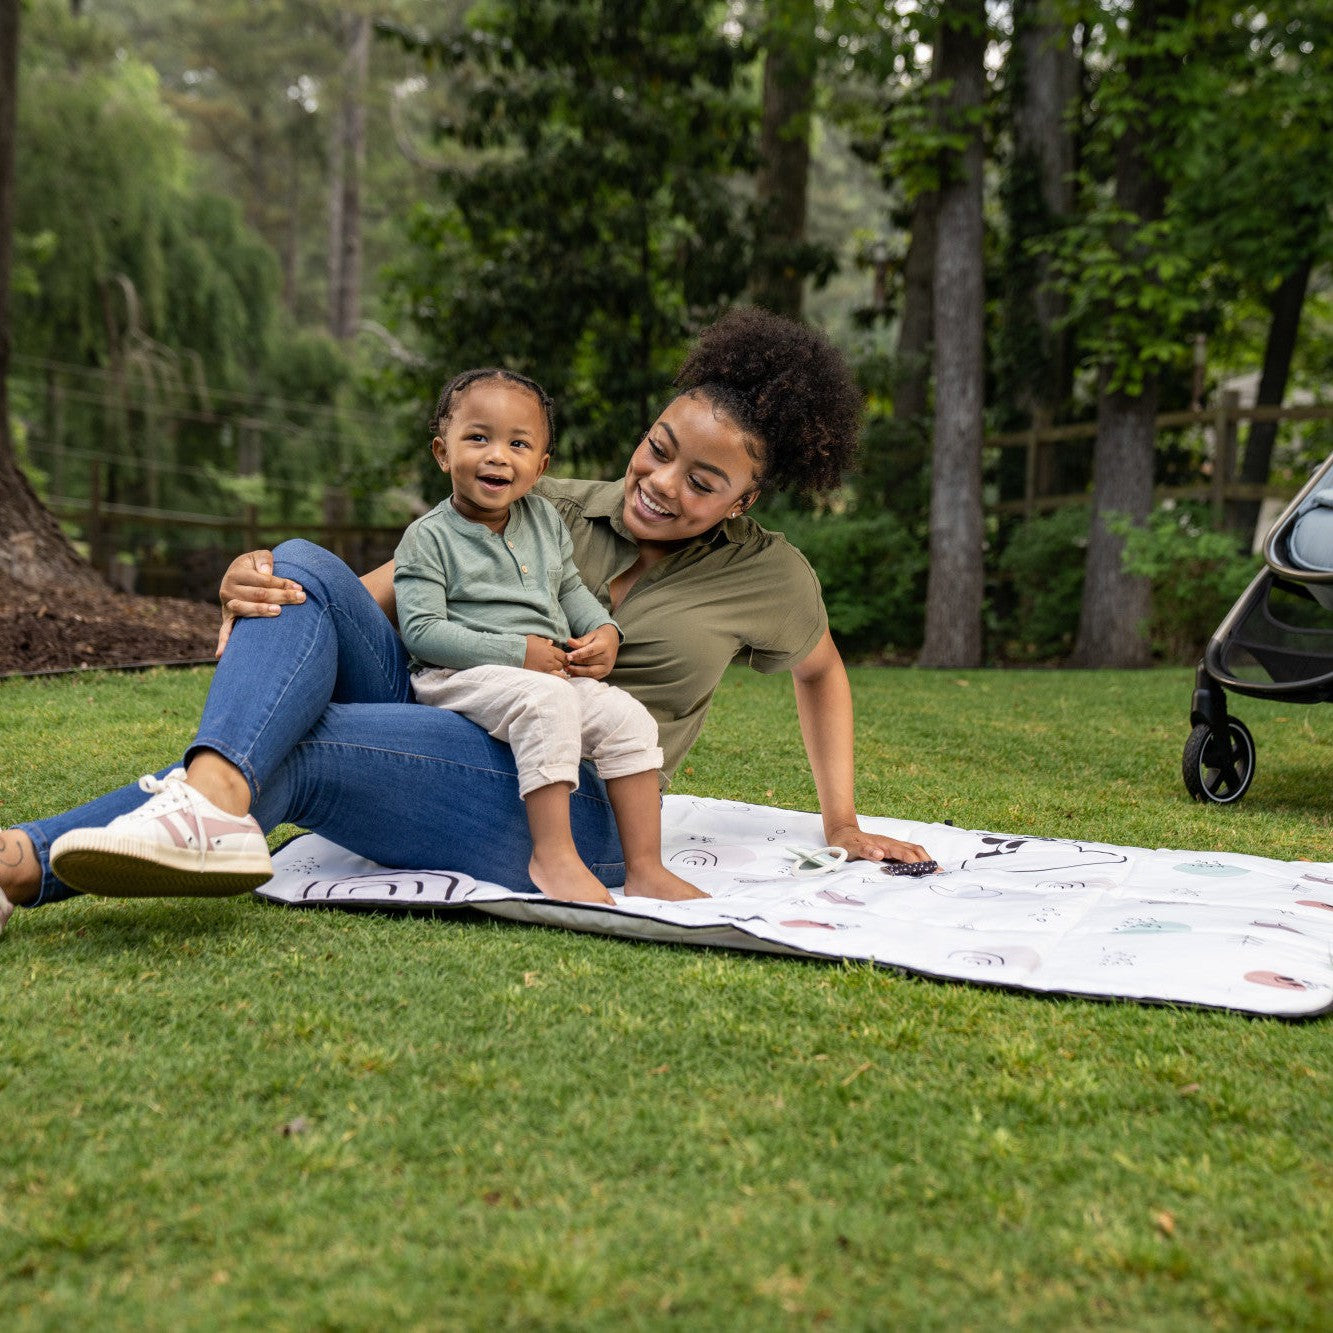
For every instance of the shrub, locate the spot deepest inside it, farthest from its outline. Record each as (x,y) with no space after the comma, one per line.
(1041,590)
(1196,574)
(872,569)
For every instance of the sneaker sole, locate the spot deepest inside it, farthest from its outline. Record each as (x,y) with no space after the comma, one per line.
(113,867)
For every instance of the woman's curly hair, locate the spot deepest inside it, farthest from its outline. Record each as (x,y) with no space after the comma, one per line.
(786,384)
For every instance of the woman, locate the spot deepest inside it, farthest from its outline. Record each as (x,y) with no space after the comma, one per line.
(309,720)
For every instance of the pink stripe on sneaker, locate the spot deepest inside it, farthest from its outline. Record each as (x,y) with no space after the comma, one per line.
(179,837)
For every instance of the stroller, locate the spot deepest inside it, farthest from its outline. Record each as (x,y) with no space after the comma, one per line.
(1276,642)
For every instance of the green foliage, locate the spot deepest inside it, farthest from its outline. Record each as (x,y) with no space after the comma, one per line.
(893,465)
(594,225)
(121,247)
(872,569)
(99,169)
(1196,574)
(1041,571)
(1133,290)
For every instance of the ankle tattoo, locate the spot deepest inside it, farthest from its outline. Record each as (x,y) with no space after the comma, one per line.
(11,851)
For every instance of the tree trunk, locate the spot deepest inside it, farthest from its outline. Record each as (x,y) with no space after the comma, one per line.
(345,203)
(955,583)
(916,324)
(1283,327)
(291,244)
(1116,605)
(784,155)
(33,550)
(1046,74)
(1112,620)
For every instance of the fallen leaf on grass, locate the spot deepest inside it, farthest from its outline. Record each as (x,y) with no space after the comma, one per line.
(529,978)
(1188,1090)
(1165,1223)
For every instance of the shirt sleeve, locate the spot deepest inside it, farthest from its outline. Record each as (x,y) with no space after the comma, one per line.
(790,616)
(583,611)
(421,590)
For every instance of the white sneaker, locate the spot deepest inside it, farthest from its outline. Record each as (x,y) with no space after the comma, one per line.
(179,844)
(6,911)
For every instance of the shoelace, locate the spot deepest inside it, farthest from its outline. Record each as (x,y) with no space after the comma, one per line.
(153,785)
(194,801)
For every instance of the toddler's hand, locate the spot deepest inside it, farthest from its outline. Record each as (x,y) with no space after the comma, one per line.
(543,655)
(594,654)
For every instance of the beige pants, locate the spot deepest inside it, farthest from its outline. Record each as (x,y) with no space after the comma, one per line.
(549,721)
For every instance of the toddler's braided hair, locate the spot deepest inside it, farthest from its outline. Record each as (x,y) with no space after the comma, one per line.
(444,407)
(786,384)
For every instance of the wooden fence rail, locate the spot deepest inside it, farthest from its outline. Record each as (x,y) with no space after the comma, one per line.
(366,545)
(1222,422)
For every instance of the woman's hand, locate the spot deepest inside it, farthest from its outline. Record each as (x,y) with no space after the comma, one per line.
(863,846)
(824,703)
(542,655)
(594,654)
(249,588)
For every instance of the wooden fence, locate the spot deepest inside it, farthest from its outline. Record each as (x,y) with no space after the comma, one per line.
(1222,422)
(365,546)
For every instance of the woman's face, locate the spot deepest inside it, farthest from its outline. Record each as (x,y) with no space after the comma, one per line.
(694,468)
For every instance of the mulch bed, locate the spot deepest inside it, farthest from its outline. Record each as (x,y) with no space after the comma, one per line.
(64,630)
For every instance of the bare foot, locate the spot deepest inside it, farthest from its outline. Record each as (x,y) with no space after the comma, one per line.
(563,876)
(658,882)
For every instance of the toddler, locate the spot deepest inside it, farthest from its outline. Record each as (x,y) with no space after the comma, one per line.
(502,630)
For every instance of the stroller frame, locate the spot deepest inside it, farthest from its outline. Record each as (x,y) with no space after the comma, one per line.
(1218,763)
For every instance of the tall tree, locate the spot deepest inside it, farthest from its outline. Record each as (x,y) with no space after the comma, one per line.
(349,159)
(595,223)
(954,588)
(781,260)
(1139,330)
(1034,354)
(33,551)
(1285,305)
(1264,133)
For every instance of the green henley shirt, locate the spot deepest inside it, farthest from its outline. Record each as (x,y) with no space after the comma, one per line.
(738,592)
(469,597)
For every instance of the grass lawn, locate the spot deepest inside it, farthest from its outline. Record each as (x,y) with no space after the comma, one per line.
(226,1114)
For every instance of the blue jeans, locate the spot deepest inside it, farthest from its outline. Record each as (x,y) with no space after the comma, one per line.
(314,706)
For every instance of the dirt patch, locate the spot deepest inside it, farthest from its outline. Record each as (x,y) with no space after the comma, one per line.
(56,631)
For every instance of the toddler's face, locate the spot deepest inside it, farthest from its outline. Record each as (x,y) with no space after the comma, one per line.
(494,448)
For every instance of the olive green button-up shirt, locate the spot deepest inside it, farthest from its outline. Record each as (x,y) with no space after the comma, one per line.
(736,593)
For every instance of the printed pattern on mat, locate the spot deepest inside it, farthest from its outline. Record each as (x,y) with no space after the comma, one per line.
(1041,914)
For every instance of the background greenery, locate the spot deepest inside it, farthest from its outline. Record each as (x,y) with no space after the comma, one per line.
(227,1114)
(575,187)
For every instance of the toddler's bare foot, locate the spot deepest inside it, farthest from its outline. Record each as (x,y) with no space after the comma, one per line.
(658,882)
(565,877)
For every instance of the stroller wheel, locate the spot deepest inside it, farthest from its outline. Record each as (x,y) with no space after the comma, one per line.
(1219,766)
